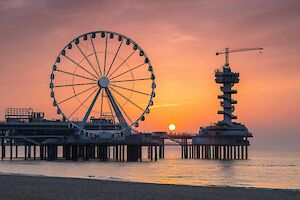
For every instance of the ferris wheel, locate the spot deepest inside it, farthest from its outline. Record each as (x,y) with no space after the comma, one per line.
(101,77)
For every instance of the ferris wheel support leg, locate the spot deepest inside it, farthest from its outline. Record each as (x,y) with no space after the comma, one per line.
(88,113)
(118,112)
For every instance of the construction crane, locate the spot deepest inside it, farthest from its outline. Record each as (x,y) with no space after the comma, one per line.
(227,51)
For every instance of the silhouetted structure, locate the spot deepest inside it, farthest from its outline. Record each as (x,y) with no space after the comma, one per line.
(224,139)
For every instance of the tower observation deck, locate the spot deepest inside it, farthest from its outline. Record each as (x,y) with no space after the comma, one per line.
(227,78)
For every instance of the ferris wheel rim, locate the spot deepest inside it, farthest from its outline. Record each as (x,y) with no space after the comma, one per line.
(152,94)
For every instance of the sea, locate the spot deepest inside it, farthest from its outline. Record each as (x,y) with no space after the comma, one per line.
(263,169)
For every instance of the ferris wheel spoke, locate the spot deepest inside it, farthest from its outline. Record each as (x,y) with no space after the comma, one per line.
(121,64)
(127,116)
(111,110)
(77,64)
(82,104)
(127,99)
(87,114)
(73,74)
(131,80)
(76,95)
(101,110)
(128,71)
(105,55)
(77,84)
(101,106)
(115,57)
(97,60)
(88,61)
(130,89)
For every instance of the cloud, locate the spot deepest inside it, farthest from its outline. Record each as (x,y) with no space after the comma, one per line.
(13,4)
(173,104)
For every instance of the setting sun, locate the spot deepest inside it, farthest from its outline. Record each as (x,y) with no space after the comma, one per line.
(172,127)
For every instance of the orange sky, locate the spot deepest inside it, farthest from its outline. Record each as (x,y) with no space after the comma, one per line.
(181,38)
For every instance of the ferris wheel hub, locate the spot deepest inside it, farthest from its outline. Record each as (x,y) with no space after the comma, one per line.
(103,82)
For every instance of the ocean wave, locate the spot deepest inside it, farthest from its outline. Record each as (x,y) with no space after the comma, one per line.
(110,178)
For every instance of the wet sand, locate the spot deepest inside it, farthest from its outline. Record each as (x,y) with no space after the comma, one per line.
(14,187)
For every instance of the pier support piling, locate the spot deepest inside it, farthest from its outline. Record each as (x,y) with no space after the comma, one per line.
(34,152)
(2,149)
(133,153)
(11,148)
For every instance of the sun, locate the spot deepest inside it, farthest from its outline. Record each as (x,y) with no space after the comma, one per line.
(172,127)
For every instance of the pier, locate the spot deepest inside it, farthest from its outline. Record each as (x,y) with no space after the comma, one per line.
(18,142)
(57,148)
(27,135)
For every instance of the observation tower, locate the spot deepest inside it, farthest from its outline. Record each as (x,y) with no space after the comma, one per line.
(227,78)
(225,139)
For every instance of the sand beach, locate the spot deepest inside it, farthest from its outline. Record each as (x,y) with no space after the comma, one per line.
(13,187)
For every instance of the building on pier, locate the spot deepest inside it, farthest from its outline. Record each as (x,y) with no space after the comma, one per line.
(28,124)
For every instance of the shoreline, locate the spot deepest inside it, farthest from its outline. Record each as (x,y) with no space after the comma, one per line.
(113,179)
(16,186)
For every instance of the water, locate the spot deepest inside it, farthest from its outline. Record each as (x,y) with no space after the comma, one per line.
(263,169)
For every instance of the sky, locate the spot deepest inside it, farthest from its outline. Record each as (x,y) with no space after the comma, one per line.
(181,39)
